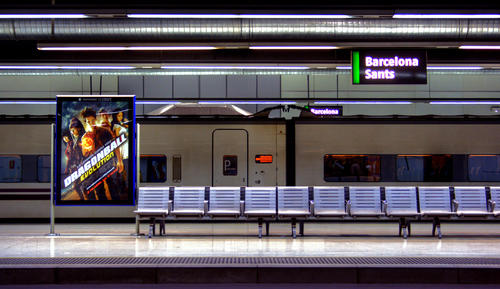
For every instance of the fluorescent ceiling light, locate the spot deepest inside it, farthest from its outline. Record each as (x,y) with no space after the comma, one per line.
(62,67)
(479,47)
(42,16)
(362,102)
(233,67)
(465,102)
(27,102)
(247,102)
(454,67)
(157,102)
(449,16)
(343,67)
(292,47)
(123,48)
(249,16)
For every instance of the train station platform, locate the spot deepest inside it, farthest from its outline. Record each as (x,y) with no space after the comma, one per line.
(342,252)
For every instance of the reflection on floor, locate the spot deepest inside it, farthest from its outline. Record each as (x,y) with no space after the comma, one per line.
(228,239)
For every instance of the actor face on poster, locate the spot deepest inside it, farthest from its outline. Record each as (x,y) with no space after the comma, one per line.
(94,153)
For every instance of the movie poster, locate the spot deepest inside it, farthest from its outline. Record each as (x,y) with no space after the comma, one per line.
(95,150)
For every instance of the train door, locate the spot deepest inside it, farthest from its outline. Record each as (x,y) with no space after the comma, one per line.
(230,157)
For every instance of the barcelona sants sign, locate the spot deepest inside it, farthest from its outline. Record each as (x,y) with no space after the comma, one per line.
(389,67)
(95,150)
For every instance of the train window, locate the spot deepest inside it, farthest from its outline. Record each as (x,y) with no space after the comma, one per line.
(351,168)
(176,169)
(153,169)
(484,168)
(43,169)
(10,169)
(424,168)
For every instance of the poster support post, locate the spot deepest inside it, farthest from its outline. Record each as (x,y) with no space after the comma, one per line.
(138,176)
(52,211)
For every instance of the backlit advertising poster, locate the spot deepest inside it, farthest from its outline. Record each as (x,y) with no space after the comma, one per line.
(95,150)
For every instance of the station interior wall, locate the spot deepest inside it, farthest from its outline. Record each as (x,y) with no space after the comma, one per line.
(332,85)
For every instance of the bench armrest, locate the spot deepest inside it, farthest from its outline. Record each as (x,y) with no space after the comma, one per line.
(492,205)
(170,205)
(311,207)
(384,207)
(348,207)
(205,207)
(455,205)
(242,207)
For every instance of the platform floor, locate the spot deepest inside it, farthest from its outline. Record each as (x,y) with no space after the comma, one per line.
(240,240)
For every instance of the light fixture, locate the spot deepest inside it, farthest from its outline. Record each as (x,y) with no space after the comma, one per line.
(447,16)
(247,102)
(62,67)
(362,102)
(232,67)
(343,67)
(466,102)
(28,102)
(479,47)
(454,67)
(156,102)
(42,16)
(310,47)
(121,48)
(243,16)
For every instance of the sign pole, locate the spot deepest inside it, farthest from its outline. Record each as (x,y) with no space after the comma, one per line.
(52,211)
(138,176)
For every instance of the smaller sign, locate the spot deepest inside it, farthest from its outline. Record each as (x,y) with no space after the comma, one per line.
(230,165)
(263,159)
(326,110)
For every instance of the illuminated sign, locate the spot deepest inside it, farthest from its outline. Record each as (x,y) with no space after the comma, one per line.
(326,110)
(389,67)
(95,150)
(263,159)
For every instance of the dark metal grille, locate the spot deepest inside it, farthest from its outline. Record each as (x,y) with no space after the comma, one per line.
(259,261)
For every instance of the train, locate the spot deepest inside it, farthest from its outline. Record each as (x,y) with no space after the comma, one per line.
(264,152)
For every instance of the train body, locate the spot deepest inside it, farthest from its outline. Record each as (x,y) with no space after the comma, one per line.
(254,153)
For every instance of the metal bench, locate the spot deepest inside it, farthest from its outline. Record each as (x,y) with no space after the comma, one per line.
(495,198)
(153,204)
(260,203)
(189,201)
(328,202)
(471,201)
(401,202)
(224,201)
(293,203)
(364,201)
(435,202)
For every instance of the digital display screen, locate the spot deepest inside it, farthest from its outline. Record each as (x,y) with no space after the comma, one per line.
(389,67)
(95,150)
(263,159)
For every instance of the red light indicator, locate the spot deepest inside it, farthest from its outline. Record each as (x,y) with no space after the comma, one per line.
(263,159)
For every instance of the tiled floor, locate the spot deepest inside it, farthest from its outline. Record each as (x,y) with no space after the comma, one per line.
(227,239)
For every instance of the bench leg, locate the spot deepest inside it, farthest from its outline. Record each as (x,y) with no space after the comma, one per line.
(294,225)
(301,228)
(162,227)
(151,227)
(408,225)
(436,224)
(267,228)
(260,228)
(400,227)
